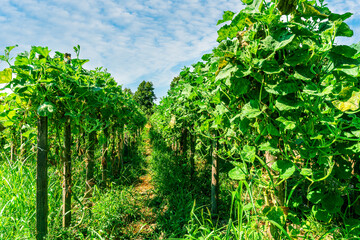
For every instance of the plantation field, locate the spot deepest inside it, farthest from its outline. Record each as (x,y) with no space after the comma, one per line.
(260,139)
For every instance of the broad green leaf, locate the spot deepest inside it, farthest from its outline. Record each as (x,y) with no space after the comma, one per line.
(351,71)
(227,72)
(283,88)
(332,202)
(5,75)
(270,67)
(310,10)
(334,17)
(315,196)
(344,30)
(272,130)
(286,104)
(248,153)
(187,90)
(303,73)
(287,124)
(227,16)
(46,109)
(351,104)
(306,172)
(240,86)
(283,40)
(321,214)
(43,51)
(220,109)
(275,214)
(250,110)
(267,146)
(297,57)
(253,6)
(285,168)
(239,172)
(344,50)
(247,1)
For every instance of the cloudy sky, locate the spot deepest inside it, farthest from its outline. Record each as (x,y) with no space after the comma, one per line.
(135,40)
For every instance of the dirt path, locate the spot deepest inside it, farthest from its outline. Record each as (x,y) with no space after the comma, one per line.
(143,195)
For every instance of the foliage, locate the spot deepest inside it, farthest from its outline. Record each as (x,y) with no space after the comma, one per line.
(284,99)
(145,96)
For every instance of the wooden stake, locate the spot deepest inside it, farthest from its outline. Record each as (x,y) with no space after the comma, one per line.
(67,175)
(214,178)
(42,180)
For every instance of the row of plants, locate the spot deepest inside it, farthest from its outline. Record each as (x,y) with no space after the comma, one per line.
(59,111)
(278,98)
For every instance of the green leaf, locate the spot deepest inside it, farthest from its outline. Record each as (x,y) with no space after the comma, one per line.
(321,214)
(240,86)
(5,75)
(220,109)
(250,110)
(247,1)
(43,51)
(46,109)
(287,124)
(239,172)
(227,72)
(187,90)
(332,202)
(282,88)
(227,16)
(272,130)
(248,153)
(267,146)
(344,30)
(315,196)
(351,104)
(285,168)
(306,172)
(303,73)
(344,50)
(275,214)
(334,17)
(286,104)
(270,67)
(297,56)
(351,71)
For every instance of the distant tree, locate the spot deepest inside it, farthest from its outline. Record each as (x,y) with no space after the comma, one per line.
(128,90)
(145,96)
(174,82)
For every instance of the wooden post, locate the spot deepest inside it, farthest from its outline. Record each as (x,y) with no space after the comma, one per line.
(90,165)
(120,148)
(41,179)
(67,175)
(104,160)
(214,177)
(192,155)
(13,145)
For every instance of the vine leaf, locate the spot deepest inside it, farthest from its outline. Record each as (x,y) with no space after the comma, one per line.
(248,153)
(6,75)
(285,168)
(351,104)
(239,172)
(228,15)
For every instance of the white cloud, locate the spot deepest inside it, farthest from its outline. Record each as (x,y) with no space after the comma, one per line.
(135,40)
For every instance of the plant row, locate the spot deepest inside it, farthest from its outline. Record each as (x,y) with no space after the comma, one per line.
(279,99)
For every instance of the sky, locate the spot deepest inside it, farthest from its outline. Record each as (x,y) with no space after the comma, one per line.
(135,40)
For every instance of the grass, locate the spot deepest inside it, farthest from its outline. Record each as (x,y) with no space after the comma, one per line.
(155,198)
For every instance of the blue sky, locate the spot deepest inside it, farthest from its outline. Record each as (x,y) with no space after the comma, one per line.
(135,40)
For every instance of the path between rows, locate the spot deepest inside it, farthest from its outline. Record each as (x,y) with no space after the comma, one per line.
(143,195)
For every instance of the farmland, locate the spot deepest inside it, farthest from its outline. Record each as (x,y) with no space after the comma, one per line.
(257,140)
